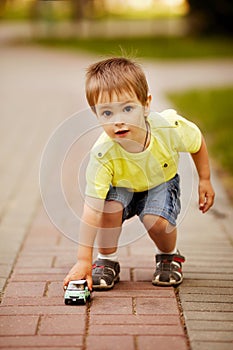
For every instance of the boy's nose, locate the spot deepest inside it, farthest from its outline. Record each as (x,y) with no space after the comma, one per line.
(119,120)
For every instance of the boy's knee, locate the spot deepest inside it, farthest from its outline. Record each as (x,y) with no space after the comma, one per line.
(113,207)
(157,224)
(112,214)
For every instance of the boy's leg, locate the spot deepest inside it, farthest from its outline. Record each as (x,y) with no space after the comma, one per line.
(106,268)
(161,232)
(159,214)
(168,259)
(108,235)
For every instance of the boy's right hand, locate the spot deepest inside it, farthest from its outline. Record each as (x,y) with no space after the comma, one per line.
(81,270)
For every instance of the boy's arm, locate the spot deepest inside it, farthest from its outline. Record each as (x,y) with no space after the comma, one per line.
(206,192)
(90,222)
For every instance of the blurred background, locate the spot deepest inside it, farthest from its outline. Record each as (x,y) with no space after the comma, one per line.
(115,18)
(155,30)
(176,31)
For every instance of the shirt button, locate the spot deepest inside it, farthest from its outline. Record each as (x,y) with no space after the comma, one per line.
(165,165)
(176,122)
(99,154)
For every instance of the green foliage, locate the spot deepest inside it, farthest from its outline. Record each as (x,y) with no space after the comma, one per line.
(149,47)
(212,111)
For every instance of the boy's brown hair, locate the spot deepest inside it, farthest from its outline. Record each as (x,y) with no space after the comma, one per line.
(115,75)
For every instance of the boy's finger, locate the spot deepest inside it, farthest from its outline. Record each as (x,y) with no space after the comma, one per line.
(89,282)
(202,200)
(209,200)
(65,282)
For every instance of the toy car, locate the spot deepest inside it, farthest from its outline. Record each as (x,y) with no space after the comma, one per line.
(77,292)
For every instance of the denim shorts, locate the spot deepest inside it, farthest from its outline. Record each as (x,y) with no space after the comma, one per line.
(162,200)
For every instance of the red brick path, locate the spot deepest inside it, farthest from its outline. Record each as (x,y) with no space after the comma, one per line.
(134,315)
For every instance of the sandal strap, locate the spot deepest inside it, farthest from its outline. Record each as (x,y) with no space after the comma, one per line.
(105,269)
(168,258)
(168,269)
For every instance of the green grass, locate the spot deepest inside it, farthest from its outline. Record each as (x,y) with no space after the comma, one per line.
(149,47)
(212,111)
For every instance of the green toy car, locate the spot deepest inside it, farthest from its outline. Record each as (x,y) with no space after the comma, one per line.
(77,292)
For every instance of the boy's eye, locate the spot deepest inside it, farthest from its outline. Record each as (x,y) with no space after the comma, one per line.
(128,109)
(107,114)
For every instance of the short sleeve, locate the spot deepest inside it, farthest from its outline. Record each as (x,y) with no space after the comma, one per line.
(186,136)
(98,177)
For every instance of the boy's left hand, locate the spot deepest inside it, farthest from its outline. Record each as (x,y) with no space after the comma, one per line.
(206,195)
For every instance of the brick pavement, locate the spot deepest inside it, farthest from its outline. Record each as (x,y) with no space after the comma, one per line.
(134,315)
(35,256)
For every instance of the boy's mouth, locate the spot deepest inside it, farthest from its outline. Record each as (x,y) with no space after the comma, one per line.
(121,132)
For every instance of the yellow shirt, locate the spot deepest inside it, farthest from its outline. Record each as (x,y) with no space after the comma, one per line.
(110,164)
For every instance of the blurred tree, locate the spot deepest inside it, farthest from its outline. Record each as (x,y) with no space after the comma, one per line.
(82,9)
(211,16)
(34,10)
(2,7)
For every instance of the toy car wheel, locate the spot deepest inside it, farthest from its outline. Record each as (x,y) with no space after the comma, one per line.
(67,301)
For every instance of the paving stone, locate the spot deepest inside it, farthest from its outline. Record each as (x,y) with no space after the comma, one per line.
(62,324)
(5,270)
(118,291)
(133,261)
(203,264)
(161,342)
(213,336)
(40,270)
(32,301)
(210,268)
(154,306)
(198,306)
(143,274)
(210,325)
(55,289)
(197,345)
(201,275)
(112,305)
(125,274)
(25,289)
(94,342)
(139,329)
(7,259)
(134,320)
(48,239)
(43,310)
(41,341)
(206,298)
(65,260)
(143,286)
(206,283)
(2,282)
(52,348)
(206,315)
(18,325)
(183,290)
(34,261)
(57,277)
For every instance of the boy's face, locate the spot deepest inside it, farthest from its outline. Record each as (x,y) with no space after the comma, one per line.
(123,117)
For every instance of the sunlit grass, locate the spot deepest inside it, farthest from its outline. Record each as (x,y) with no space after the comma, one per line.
(212,111)
(149,47)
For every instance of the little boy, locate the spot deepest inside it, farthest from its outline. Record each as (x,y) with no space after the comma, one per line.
(133,171)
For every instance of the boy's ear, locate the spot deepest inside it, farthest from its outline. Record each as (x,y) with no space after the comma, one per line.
(147,106)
